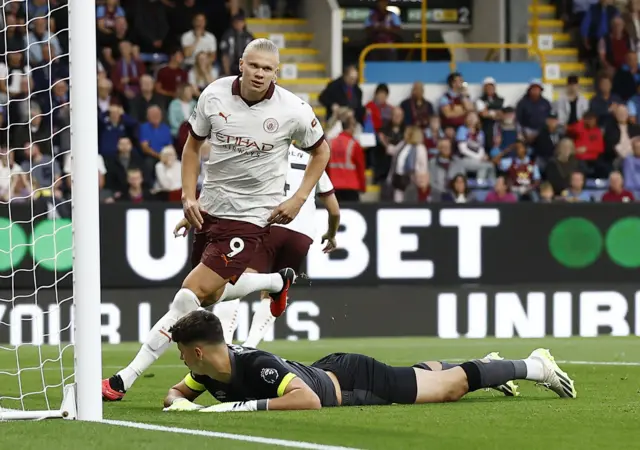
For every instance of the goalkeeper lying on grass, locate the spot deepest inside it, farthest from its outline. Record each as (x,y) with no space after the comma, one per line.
(246,379)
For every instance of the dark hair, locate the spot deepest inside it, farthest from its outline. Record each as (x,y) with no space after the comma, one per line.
(464,178)
(382,88)
(573,79)
(452,76)
(198,326)
(590,115)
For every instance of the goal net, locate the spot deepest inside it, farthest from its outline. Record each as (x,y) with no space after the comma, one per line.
(42,213)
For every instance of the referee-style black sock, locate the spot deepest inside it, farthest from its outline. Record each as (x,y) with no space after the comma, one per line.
(483,374)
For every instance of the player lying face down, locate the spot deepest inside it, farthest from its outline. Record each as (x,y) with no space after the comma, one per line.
(246,379)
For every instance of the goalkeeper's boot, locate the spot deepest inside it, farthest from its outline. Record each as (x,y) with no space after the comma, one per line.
(279,299)
(113,389)
(510,389)
(555,379)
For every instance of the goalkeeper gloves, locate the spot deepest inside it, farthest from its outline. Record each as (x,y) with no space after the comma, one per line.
(182,404)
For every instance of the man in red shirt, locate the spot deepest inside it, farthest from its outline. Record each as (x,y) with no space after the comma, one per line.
(617,192)
(347,164)
(379,109)
(171,76)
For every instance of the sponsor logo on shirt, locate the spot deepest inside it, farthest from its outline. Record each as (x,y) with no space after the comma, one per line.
(242,144)
(224,116)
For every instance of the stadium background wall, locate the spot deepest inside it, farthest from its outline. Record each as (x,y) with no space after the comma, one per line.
(447,312)
(442,245)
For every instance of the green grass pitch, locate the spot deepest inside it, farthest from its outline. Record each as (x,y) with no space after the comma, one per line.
(606,412)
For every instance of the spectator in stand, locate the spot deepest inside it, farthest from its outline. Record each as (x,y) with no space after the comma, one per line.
(382,27)
(459,191)
(181,108)
(346,166)
(561,167)
(546,193)
(455,104)
(546,141)
(626,79)
(136,192)
(604,102)
(575,193)
(112,126)
(127,71)
(202,74)
(343,91)
(290,10)
(572,104)
(105,195)
(614,47)
(616,191)
(110,52)
(617,138)
(595,25)
(18,87)
(334,125)
(631,17)
(107,16)
(417,109)
(442,169)
(411,165)
(474,158)
(631,169)
(154,135)
(432,135)
(232,45)
(532,111)
(169,172)
(378,108)
(37,39)
(42,168)
(13,35)
(589,142)
(505,133)
(39,130)
(151,25)
(389,136)
(489,107)
(105,99)
(198,40)
(171,76)
(522,173)
(501,192)
(146,97)
(118,164)
(633,105)
(9,174)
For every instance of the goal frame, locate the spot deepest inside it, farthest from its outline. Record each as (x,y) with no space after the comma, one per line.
(82,399)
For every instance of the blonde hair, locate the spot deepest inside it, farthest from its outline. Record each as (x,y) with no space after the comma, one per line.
(168,150)
(262,45)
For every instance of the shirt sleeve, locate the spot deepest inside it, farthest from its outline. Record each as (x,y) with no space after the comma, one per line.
(268,376)
(199,123)
(194,382)
(309,133)
(325,186)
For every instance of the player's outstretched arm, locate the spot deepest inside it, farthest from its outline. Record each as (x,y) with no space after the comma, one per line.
(180,397)
(296,396)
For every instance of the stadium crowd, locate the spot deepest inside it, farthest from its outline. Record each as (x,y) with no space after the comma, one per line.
(156,56)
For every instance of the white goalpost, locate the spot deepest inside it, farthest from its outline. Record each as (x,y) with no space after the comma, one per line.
(50,342)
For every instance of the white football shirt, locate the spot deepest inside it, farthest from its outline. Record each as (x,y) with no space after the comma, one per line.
(247,167)
(305,221)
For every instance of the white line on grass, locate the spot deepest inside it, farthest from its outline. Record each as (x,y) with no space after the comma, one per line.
(235,437)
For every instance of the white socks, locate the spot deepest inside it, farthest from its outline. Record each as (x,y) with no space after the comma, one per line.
(159,339)
(262,320)
(535,369)
(227,312)
(252,282)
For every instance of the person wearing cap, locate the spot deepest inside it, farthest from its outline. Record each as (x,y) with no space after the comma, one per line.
(455,104)
(572,105)
(532,110)
(545,143)
(489,106)
(233,43)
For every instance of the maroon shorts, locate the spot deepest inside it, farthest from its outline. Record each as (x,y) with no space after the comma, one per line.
(280,249)
(226,246)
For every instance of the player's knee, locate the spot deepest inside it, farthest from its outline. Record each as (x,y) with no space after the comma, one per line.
(185,301)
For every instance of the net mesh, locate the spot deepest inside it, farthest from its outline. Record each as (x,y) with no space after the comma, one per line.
(36,333)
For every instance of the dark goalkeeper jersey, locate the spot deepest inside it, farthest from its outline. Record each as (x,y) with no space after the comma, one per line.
(256,375)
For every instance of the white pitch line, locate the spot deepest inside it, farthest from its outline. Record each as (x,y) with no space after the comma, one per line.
(235,437)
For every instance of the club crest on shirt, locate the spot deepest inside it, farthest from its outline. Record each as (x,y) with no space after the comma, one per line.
(270,125)
(269,375)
